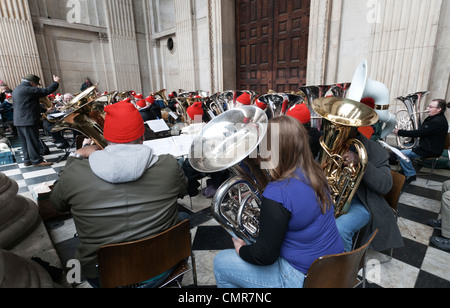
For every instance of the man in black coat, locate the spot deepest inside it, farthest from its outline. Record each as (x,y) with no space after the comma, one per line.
(27,116)
(432,134)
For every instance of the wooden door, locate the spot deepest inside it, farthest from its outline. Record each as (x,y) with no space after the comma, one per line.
(272,44)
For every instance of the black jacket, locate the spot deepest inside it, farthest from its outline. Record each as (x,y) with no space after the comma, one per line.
(27,111)
(432,134)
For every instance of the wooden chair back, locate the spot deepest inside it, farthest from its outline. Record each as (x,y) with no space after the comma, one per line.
(337,271)
(134,262)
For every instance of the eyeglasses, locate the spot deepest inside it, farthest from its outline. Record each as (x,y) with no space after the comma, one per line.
(431,107)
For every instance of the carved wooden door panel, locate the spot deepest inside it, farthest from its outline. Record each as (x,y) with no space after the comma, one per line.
(272,44)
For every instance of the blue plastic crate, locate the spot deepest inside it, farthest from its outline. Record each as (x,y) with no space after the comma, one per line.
(6,158)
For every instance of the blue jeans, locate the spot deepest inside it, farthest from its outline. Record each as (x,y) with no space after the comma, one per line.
(407,167)
(231,271)
(349,224)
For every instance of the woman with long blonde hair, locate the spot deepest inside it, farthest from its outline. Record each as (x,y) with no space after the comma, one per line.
(297,223)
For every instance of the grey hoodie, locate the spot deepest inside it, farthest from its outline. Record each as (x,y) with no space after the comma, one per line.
(121,163)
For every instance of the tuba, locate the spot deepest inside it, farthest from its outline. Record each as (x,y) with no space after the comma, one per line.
(227,142)
(279,103)
(362,87)
(87,116)
(340,116)
(409,118)
(312,93)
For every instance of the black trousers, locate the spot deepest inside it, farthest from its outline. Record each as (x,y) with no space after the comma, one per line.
(29,138)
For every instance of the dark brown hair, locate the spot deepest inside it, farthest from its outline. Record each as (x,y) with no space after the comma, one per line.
(295,152)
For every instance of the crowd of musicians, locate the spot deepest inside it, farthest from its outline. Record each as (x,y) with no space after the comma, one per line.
(125,192)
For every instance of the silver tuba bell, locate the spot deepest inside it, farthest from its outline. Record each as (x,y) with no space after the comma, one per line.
(279,103)
(409,118)
(229,141)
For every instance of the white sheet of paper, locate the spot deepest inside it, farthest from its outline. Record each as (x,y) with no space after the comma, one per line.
(56,115)
(158,125)
(163,146)
(183,142)
(396,151)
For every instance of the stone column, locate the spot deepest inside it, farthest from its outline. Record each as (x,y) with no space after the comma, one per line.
(184,29)
(19,54)
(122,37)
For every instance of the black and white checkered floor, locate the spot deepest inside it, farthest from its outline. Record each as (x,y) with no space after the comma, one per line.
(416,265)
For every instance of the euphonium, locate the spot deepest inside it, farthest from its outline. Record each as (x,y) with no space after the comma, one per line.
(341,116)
(226,142)
(409,118)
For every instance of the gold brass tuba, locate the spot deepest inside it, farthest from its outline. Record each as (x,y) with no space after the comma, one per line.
(409,118)
(226,142)
(340,117)
(87,116)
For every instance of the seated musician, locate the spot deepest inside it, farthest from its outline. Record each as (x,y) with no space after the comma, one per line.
(148,109)
(122,193)
(369,209)
(294,231)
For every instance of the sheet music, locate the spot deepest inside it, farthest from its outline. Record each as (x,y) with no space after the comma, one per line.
(176,146)
(158,126)
(163,146)
(396,151)
(183,142)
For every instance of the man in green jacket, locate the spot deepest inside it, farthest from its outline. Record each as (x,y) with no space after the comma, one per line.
(120,194)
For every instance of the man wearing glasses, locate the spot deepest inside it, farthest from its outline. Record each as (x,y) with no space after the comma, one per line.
(432,134)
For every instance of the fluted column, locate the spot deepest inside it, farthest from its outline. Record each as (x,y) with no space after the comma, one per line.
(19,54)
(122,36)
(185,38)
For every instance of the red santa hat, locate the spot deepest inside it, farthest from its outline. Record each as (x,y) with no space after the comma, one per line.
(150,99)
(139,96)
(260,104)
(123,123)
(244,99)
(141,103)
(300,112)
(195,110)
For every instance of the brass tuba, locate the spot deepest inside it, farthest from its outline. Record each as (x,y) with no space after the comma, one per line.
(87,116)
(340,116)
(409,118)
(227,142)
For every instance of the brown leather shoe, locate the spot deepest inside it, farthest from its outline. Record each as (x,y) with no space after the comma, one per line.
(44,164)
